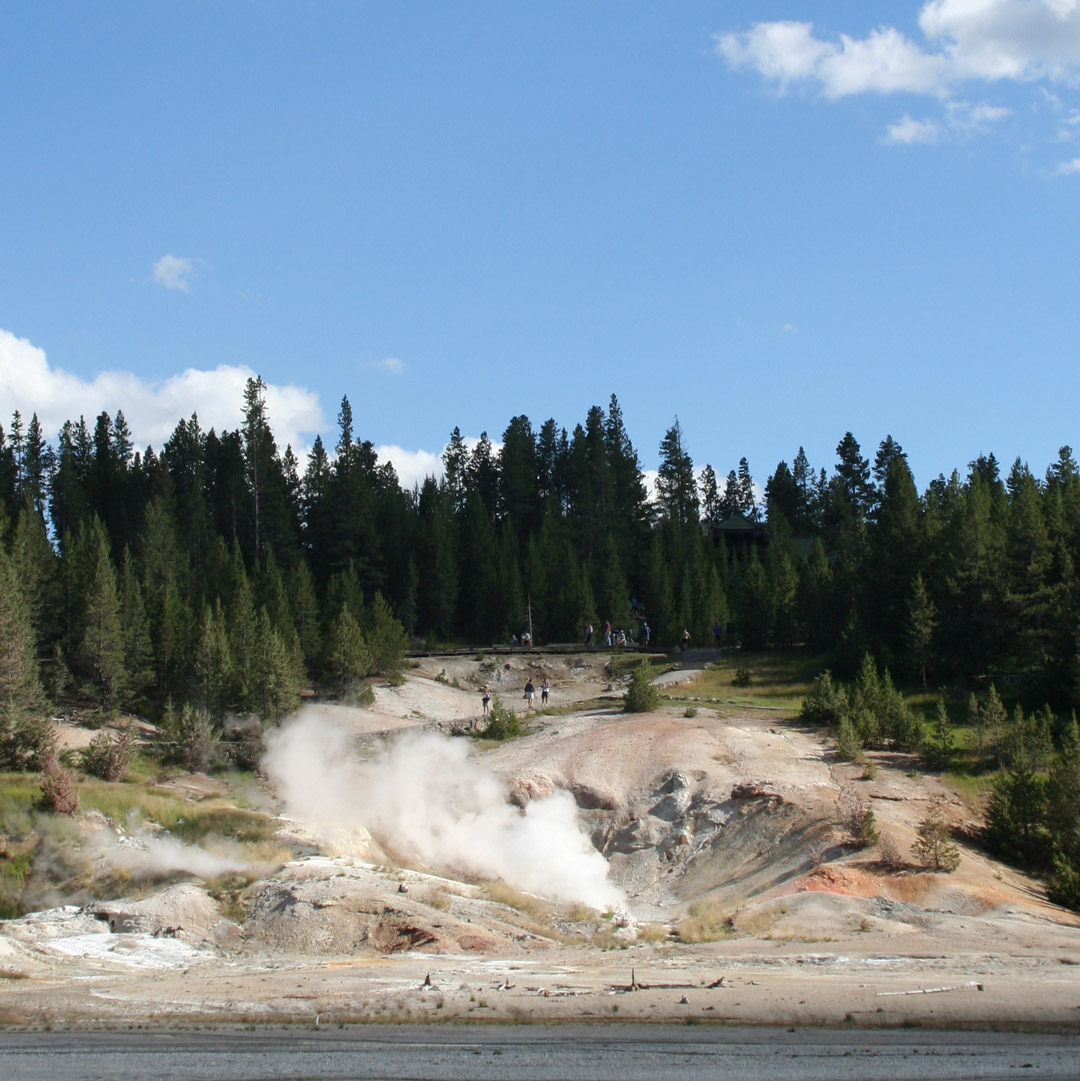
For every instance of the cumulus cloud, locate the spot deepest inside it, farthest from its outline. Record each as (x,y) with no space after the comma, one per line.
(907,130)
(152,408)
(963,41)
(783,52)
(989,40)
(789,53)
(1068,168)
(390,365)
(961,119)
(1024,40)
(175,272)
(413,467)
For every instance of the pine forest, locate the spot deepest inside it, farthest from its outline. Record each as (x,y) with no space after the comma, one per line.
(218,574)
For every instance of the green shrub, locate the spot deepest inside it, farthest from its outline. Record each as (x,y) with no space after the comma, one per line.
(857,817)
(108,757)
(641,696)
(26,741)
(198,745)
(503,723)
(934,847)
(826,703)
(939,747)
(743,677)
(849,747)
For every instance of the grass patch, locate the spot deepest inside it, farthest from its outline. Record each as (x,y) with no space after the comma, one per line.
(623,664)
(652,932)
(971,787)
(706,921)
(440,899)
(188,821)
(503,894)
(19,795)
(779,679)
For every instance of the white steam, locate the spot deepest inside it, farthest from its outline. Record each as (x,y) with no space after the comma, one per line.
(166,855)
(147,854)
(425,799)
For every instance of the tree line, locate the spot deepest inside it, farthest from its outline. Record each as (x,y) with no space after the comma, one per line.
(222,571)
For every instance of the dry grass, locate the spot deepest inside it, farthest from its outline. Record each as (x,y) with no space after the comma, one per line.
(188,821)
(531,905)
(653,932)
(440,899)
(706,921)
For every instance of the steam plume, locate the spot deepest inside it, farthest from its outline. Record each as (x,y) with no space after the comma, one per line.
(425,799)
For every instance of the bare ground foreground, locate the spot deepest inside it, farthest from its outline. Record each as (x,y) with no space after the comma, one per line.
(732,893)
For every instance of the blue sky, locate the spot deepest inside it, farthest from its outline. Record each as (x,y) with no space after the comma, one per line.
(777,221)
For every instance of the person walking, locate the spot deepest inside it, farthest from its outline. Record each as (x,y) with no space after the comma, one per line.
(485,698)
(544,688)
(530,693)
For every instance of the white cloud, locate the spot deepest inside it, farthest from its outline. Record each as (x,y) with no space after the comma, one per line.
(886,62)
(788,52)
(152,409)
(963,42)
(783,52)
(1024,40)
(391,365)
(174,272)
(987,40)
(967,119)
(1068,168)
(961,119)
(907,130)
(790,328)
(413,467)
(30,384)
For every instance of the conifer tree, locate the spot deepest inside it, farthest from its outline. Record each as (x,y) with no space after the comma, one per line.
(36,465)
(19,686)
(747,500)
(35,565)
(934,847)
(1016,816)
(241,621)
(940,746)
(385,636)
(676,486)
(921,621)
(711,509)
(212,663)
(437,565)
(277,673)
(993,717)
(101,649)
(300,586)
(135,627)
(348,658)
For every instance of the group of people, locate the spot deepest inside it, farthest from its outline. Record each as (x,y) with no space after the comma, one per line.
(621,636)
(529,694)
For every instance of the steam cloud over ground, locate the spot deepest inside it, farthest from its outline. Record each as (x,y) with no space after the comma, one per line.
(425,799)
